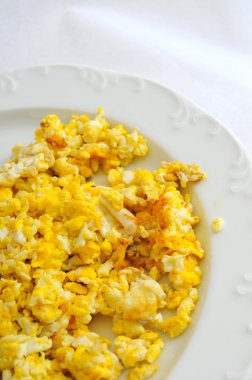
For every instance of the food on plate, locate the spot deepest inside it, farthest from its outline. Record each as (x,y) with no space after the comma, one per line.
(71,249)
(217,224)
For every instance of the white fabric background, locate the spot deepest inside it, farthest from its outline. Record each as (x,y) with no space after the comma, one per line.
(201,48)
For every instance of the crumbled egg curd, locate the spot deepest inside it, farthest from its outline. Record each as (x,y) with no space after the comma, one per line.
(70,250)
(217,224)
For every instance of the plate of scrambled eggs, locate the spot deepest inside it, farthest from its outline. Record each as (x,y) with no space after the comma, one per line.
(101,254)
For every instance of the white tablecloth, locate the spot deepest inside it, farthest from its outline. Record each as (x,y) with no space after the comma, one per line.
(201,48)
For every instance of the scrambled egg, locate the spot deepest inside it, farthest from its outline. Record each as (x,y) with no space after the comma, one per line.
(71,250)
(217,224)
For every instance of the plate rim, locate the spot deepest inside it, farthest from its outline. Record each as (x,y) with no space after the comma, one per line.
(134,76)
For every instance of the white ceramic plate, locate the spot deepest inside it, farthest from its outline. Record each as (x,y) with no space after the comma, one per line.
(218,345)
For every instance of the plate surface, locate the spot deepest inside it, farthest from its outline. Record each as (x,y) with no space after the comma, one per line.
(218,345)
